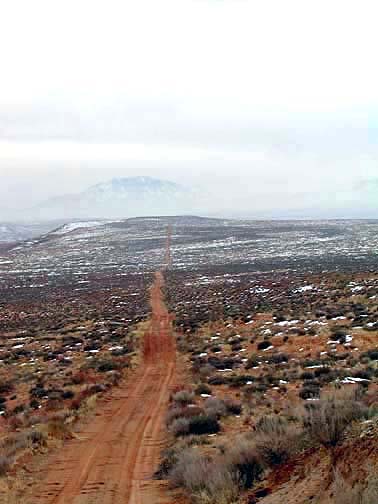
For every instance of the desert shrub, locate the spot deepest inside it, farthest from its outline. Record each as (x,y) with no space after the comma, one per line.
(234,340)
(338,331)
(207,482)
(119,352)
(68,394)
(365,374)
(315,362)
(334,374)
(183,397)
(217,380)
(97,388)
(339,357)
(276,440)
(202,388)
(203,424)
(257,388)
(183,412)
(79,378)
(59,429)
(371,354)
(307,375)
(171,455)
(262,345)
(239,380)
(309,391)
(167,463)
(321,371)
(38,391)
(19,409)
(190,471)
(327,419)
(112,378)
(107,365)
(180,426)
(269,378)
(233,407)
(278,358)
(244,462)
(37,437)
(298,331)
(15,443)
(6,387)
(215,407)
(222,363)
(205,371)
(236,347)
(34,404)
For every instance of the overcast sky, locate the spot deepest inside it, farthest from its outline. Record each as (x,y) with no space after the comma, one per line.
(277,99)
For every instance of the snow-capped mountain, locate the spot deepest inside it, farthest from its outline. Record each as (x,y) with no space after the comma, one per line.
(120,198)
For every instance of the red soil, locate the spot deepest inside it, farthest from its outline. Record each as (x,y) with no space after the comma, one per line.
(118,451)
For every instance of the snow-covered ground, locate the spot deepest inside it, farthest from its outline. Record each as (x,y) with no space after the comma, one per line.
(73,226)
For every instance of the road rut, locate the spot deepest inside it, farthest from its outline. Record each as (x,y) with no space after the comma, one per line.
(117,453)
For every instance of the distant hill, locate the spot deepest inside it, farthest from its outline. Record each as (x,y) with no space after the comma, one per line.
(120,198)
(15,232)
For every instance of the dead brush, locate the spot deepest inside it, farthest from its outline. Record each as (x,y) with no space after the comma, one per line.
(58,429)
(182,412)
(59,425)
(277,440)
(327,419)
(180,427)
(243,461)
(207,481)
(12,446)
(183,397)
(215,407)
(170,455)
(190,471)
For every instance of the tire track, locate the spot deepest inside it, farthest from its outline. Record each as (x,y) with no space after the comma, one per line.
(116,461)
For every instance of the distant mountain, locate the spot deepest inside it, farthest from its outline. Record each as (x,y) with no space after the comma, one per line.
(120,198)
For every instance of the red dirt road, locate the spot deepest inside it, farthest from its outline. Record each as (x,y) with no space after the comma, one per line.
(117,453)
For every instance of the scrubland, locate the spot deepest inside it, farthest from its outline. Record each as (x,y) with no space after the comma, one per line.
(277,334)
(281,398)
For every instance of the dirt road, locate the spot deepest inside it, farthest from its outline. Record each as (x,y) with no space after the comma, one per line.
(118,451)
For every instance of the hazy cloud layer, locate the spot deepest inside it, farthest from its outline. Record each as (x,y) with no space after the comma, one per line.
(269,105)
